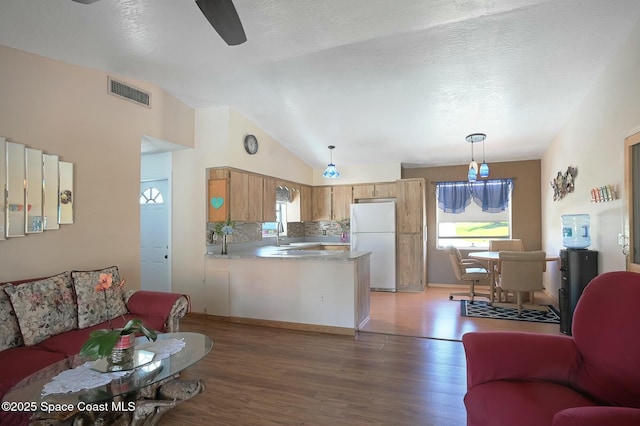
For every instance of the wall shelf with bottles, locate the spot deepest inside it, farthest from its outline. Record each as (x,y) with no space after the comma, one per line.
(604,193)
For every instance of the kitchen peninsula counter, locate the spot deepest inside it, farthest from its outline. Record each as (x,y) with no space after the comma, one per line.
(301,252)
(315,290)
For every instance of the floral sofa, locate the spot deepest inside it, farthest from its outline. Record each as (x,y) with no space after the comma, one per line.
(45,320)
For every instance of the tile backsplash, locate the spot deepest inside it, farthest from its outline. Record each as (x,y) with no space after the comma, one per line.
(245,232)
(321,229)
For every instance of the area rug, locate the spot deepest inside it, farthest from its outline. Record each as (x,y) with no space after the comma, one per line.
(479,309)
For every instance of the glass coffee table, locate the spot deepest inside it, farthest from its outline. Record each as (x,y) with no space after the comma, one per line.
(141,395)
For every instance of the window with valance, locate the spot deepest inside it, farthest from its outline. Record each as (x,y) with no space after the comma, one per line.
(469,214)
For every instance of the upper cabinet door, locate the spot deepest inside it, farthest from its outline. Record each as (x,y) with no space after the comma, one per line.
(378,190)
(632,185)
(238,196)
(363,191)
(321,203)
(269,200)
(245,197)
(218,200)
(341,202)
(410,205)
(254,189)
(386,190)
(306,214)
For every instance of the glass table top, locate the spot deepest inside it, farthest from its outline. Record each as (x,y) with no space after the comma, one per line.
(30,389)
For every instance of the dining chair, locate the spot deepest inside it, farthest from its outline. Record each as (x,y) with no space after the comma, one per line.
(506,245)
(470,270)
(521,272)
(514,244)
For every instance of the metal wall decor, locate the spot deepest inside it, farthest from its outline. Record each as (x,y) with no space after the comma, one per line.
(563,184)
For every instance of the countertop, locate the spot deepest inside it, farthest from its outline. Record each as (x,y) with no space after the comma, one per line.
(292,251)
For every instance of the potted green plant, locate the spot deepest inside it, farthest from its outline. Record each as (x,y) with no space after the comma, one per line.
(115,344)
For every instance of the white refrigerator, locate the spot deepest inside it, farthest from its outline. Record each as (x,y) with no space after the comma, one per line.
(373,228)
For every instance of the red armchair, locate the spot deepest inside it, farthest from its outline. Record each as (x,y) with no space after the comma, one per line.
(591,378)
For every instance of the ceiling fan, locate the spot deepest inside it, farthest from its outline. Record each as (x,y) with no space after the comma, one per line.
(221,14)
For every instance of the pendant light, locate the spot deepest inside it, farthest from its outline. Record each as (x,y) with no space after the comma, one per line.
(331,172)
(484,167)
(473,172)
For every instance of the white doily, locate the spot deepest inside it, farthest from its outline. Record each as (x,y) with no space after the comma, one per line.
(81,377)
(163,348)
(84,377)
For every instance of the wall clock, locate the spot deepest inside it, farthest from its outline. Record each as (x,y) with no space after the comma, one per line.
(251,144)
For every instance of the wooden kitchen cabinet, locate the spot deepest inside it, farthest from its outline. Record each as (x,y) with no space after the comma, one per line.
(254,203)
(377,190)
(341,200)
(305,204)
(320,203)
(245,197)
(410,205)
(269,199)
(218,173)
(386,190)
(410,275)
(218,200)
(411,222)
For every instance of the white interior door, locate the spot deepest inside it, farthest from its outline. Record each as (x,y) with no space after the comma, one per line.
(154,235)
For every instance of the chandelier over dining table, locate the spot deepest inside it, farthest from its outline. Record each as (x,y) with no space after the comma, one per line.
(474,170)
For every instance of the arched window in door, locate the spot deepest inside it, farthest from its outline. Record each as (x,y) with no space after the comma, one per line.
(151,196)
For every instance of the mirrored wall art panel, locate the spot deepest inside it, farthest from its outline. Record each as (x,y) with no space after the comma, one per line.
(3,184)
(33,190)
(66,193)
(15,189)
(51,191)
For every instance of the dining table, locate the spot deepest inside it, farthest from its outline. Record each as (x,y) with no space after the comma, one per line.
(492,258)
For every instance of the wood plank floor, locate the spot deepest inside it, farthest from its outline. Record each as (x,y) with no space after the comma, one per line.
(431,314)
(266,376)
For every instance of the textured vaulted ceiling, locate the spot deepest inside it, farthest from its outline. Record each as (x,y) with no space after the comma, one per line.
(384,80)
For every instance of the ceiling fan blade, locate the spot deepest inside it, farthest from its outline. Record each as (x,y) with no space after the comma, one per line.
(222,15)
(85,1)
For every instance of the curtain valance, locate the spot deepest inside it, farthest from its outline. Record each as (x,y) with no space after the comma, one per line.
(492,195)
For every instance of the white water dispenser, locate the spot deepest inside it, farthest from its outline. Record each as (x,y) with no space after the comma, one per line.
(575,231)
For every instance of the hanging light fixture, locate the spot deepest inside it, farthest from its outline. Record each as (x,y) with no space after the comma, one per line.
(483,171)
(331,172)
(484,167)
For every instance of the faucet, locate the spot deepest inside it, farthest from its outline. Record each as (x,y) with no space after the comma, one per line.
(279,230)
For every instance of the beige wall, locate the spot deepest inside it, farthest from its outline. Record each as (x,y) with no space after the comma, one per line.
(64,109)
(359,173)
(272,159)
(593,140)
(526,220)
(219,142)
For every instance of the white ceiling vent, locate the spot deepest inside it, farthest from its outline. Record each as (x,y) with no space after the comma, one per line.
(130,93)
